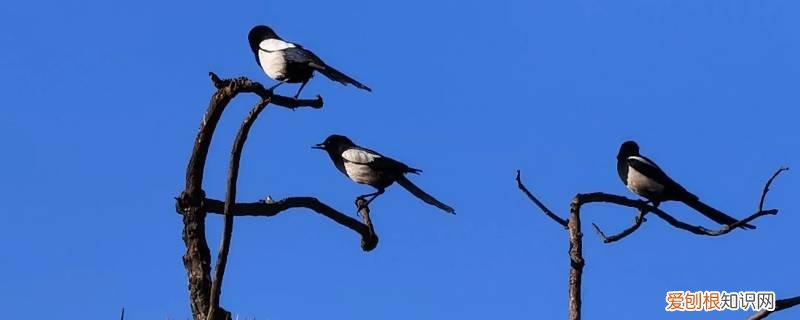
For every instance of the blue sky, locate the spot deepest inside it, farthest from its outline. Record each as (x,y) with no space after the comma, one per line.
(101,102)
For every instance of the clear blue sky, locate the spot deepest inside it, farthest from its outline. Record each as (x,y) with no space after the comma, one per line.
(101,102)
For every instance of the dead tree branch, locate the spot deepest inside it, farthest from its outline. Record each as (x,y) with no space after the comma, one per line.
(645,208)
(190,203)
(230,199)
(573,225)
(781,304)
(576,262)
(538,203)
(268,209)
(767,185)
(244,85)
(624,233)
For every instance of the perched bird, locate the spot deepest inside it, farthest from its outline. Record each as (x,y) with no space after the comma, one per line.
(365,166)
(290,62)
(643,177)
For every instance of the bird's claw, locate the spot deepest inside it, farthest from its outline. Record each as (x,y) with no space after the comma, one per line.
(361,204)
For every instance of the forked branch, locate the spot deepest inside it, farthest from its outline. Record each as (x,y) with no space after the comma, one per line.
(573,226)
(645,208)
(191,203)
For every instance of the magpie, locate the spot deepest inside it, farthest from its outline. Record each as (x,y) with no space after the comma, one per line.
(290,62)
(368,167)
(643,177)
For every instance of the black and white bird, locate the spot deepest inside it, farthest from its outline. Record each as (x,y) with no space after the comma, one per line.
(290,62)
(643,177)
(368,167)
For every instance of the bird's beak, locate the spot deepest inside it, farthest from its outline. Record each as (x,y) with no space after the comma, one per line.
(320,146)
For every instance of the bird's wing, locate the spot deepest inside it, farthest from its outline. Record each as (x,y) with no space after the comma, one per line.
(295,53)
(272,45)
(360,156)
(648,168)
(375,160)
(313,60)
(651,170)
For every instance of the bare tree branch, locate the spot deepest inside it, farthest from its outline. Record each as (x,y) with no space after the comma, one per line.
(197,257)
(230,199)
(245,85)
(268,209)
(573,227)
(624,233)
(645,208)
(369,241)
(538,203)
(575,258)
(576,236)
(767,185)
(781,304)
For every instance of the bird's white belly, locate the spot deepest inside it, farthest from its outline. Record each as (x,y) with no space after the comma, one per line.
(361,173)
(273,63)
(642,185)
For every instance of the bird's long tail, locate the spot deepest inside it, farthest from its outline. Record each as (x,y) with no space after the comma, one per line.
(336,75)
(714,214)
(403,181)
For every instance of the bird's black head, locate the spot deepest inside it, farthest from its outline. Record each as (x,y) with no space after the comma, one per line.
(260,33)
(334,143)
(628,149)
